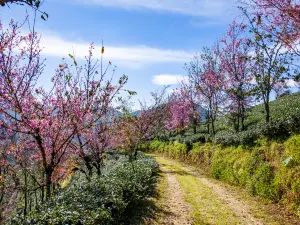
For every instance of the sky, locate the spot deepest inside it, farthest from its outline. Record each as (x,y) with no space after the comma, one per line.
(148,40)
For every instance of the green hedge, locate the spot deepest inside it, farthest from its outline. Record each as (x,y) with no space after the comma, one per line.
(104,200)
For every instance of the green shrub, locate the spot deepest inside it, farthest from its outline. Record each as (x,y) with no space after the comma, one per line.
(156,145)
(231,165)
(104,200)
(261,182)
(292,154)
(276,129)
(228,138)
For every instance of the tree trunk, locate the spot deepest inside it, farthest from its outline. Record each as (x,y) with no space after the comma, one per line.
(30,202)
(207,125)
(42,194)
(243,117)
(48,173)
(238,117)
(195,120)
(89,167)
(213,127)
(195,125)
(25,193)
(135,154)
(87,160)
(267,110)
(98,170)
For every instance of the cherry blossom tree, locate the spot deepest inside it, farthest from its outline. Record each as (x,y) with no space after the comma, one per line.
(49,119)
(236,66)
(281,18)
(205,72)
(181,111)
(130,130)
(190,94)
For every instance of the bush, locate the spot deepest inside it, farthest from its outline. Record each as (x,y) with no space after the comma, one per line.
(292,154)
(157,146)
(104,200)
(276,129)
(228,138)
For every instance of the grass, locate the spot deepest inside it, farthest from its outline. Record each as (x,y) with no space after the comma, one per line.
(207,207)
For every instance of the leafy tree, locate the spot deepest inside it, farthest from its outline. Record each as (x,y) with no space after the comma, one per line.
(271,62)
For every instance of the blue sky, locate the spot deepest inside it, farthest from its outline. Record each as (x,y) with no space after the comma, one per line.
(149,40)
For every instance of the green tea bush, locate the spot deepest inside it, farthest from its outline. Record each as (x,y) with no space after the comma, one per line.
(228,138)
(104,200)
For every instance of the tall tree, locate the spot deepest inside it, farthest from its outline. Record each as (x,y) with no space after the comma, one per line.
(270,60)
(206,74)
(235,65)
(190,94)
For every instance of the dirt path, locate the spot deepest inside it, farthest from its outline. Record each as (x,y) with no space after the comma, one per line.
(237,206)
(177,210)
(193,199)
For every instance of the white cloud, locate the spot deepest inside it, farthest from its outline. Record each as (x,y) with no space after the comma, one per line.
(292,83)
(168,79)
(129,56)
(191,7)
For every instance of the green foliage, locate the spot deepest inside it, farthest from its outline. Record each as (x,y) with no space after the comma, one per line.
(104,200)
(293,151)
(157,146)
